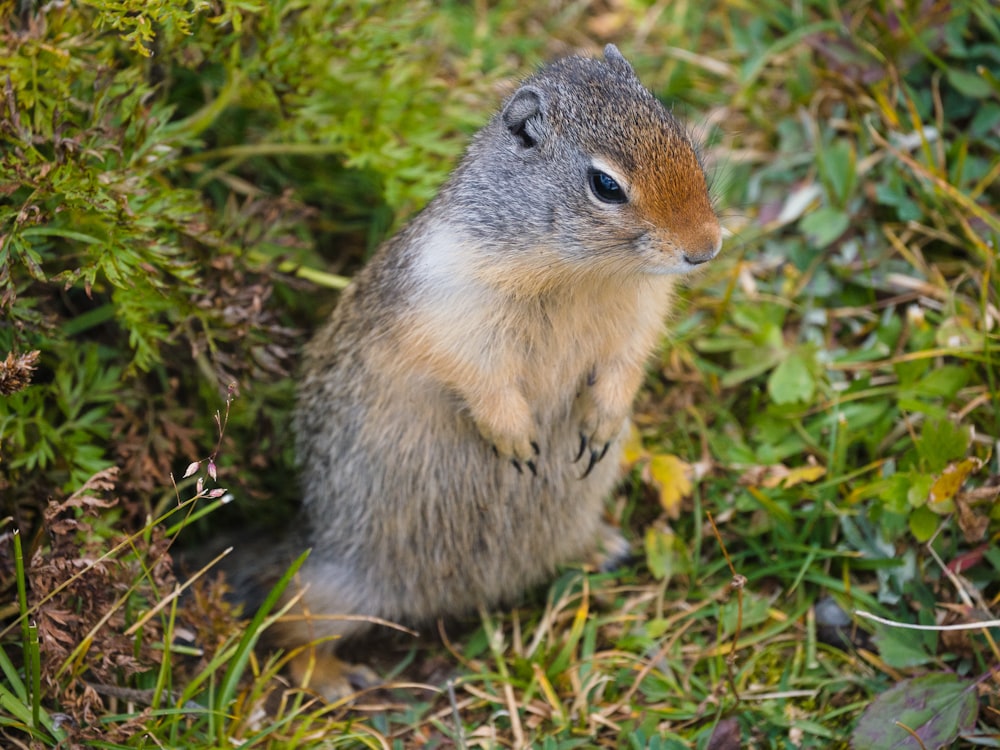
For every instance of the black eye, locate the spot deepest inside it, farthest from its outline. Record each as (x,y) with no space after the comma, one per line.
(605,187)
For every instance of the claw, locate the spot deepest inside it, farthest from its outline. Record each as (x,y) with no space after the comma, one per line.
(517,465)
(595,458)
(583,447)
(531,465)
(604,451)
(535,448)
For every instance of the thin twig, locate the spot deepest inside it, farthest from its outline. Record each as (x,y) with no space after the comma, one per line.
(913,626)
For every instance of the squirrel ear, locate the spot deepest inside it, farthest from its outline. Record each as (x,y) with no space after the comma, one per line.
(523,116)
(617,60)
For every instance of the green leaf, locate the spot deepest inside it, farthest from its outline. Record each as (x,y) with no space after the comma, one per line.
(792,380)
(749,612)
(665,553)
(910,372)
(837,163)
(893,193)
(937,708)
(749,363)
(824,225)
(969,84)
(919,489)
(923,523)
(902,648)
(941,441)
(764,320)
(945,381)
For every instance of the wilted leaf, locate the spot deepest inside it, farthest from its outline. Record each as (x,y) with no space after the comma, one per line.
(726,735)
(671,476)
(937,708)
(973,525)
(969,559)
(798,202)
(15,371)
(947,485)
(781,476)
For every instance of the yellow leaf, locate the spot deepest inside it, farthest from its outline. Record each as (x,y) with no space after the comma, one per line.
(672,476)
(780,476)
(947,485)
(633,451)
(803,474)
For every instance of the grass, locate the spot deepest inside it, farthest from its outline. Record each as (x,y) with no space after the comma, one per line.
(817,437)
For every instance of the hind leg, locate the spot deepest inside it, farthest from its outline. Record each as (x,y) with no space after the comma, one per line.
(323,672)
(320,619)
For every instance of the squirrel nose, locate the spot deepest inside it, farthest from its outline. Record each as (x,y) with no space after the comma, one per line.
(708,251)
(696,259)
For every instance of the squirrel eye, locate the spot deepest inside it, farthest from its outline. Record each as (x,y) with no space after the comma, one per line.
(605,187)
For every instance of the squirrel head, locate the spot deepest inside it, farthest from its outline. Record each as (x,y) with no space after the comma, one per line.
(589,170)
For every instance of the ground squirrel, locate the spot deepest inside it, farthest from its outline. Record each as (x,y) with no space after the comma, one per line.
(459,417)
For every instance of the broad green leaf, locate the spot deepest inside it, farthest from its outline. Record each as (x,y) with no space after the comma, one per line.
(944,381)
(910,371)
(751,610)
(825,225)
(903,648)
(919,489)
(936,708)
(969,84)
(942,441)
(750,364)
(923,523)
(792,380)
(893,193)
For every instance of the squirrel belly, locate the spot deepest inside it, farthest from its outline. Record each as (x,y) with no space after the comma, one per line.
(460,416)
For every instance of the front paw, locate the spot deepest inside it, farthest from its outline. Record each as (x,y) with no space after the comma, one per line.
(508,427)
(594,443)
(598,429)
